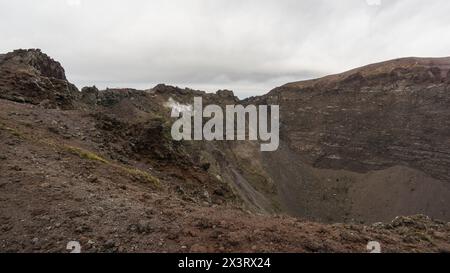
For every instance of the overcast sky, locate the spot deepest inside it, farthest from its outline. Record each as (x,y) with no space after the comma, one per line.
(247,46)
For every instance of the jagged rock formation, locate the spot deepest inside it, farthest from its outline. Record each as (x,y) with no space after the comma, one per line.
(31,76)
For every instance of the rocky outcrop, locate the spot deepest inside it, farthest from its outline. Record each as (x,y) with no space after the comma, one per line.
(89,95)
(43,64)
(32,76)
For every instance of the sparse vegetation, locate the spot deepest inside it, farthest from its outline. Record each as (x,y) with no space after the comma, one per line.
(142,175)
(13,131)
(85,154)
(136,173)
(88,155)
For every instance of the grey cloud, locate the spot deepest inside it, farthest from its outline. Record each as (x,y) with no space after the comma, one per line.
(247,46)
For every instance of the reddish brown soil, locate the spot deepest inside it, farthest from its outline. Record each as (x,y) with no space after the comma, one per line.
(50,195)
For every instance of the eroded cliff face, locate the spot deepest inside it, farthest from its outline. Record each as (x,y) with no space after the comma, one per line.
(369,143)
(369,122)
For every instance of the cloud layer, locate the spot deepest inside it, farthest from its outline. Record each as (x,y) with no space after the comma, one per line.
(248,46)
